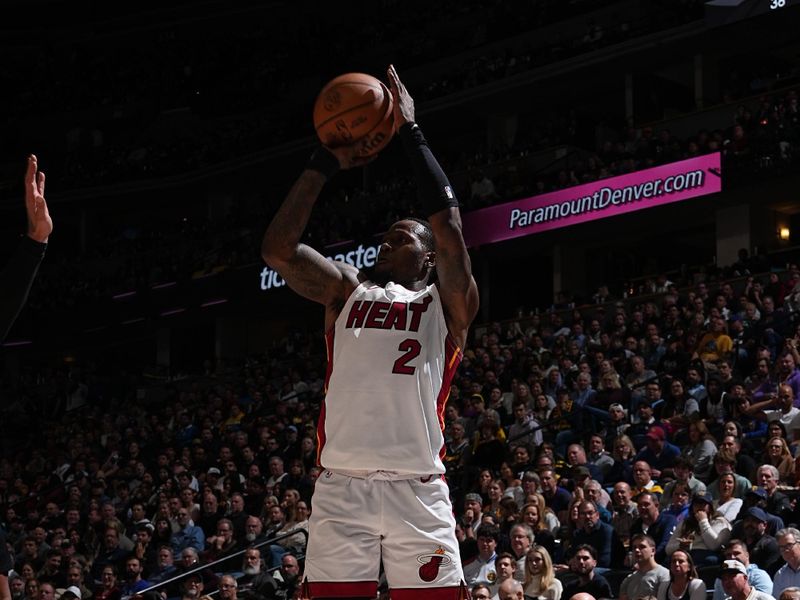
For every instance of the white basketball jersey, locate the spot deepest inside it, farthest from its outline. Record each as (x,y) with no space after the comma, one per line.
(390,364)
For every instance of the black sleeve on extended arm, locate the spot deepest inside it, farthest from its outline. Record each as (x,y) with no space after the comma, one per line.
(16,280)
(433,187)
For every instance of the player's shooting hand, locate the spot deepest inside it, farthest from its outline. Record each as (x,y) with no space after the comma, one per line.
(40,225)
(403,102)
(349,157)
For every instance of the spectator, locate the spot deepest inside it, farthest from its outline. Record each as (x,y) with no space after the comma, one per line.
(481,592)
(221,545)
(166,568)
(701,533)
(683,581)
(623,510)
(715,344)
(133,583)
(540,578)
(110,555)
(228,588)
(193,588)
(531,516)
(725,462)
(642,480)
(789,574)
(601,536)
(521,542)
(188,534)
(623,454)
(505,565)
(555,496)
(75,580)
(288,576)
(482,568)
(598,457)
(778,407)
(587,580)
(778,503)
(648,574)
(255,583)
(736,584)
(510,589)
(758,578)
(779,456)
(657,526)
(683,469)
(659,454)
(108,589)
(701,448)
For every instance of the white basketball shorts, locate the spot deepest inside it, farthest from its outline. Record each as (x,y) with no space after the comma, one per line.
(358,520)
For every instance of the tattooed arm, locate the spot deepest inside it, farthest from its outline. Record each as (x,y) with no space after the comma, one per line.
(305,270)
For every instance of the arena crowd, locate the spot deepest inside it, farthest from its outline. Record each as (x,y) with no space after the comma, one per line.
(583,445)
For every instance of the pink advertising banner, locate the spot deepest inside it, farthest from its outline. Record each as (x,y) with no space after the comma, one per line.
(597,200)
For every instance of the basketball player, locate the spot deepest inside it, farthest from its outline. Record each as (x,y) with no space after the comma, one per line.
(394,341)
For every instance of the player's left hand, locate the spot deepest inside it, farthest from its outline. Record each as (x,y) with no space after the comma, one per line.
(349,157)
(403,102)
(40,225)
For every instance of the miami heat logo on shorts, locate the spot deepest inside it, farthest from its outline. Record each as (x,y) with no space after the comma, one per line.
(431,563)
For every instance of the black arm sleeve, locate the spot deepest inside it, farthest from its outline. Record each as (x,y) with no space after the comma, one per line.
(433,187)
(16,280)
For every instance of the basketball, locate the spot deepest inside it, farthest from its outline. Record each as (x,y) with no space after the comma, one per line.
(355,107)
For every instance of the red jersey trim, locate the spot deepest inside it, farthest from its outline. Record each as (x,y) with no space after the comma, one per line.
(452,358)
(321,439)
(346,589)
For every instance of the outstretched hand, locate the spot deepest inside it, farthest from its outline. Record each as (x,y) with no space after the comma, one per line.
(403,102)
(40,225)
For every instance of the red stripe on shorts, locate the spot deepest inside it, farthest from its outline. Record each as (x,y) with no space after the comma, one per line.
(347,589)
(455,592)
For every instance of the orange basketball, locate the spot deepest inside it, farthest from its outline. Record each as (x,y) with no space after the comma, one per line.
(355,107)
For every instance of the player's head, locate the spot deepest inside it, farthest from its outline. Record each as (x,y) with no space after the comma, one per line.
(407,254)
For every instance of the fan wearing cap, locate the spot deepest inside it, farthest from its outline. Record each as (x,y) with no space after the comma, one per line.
(763,548)
(71,593)
(701,533)
(579,464)
(735,583)
(756,497)
(194,588)
(659,453)
(758,578)
(471,517)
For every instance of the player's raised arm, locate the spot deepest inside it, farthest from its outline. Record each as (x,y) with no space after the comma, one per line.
(305,270)
(453,266)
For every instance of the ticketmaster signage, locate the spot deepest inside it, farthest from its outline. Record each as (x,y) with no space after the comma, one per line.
(597,200)
(360,257)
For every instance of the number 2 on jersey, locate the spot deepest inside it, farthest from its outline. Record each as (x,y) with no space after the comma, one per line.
(411,349)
